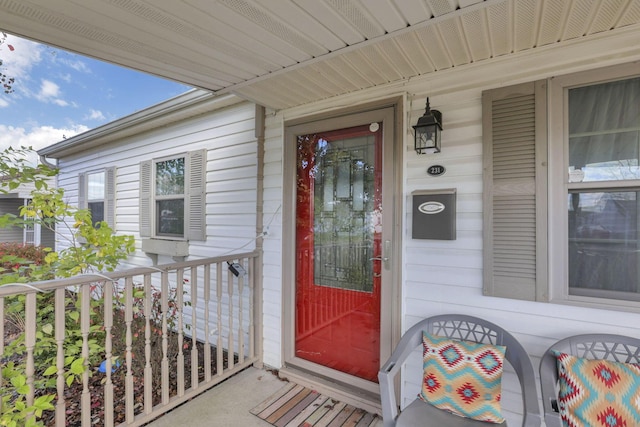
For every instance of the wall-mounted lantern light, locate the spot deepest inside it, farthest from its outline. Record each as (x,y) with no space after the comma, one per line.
(427,131)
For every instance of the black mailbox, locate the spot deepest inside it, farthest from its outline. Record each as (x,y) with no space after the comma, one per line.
(434,214)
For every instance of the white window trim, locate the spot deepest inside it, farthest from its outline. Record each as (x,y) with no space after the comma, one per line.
(109,197)
(558,184)
(184,196)
(194,200)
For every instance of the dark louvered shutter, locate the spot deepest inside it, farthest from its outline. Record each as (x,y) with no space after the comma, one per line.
(110,197)
(515,191)
(145,198)
(196,225)
(82,191)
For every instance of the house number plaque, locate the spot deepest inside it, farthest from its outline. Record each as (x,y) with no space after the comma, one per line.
(436,170)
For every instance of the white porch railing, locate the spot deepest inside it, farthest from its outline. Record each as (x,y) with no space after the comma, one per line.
(163,334)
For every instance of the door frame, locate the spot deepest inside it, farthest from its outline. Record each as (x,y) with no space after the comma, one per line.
(388,111)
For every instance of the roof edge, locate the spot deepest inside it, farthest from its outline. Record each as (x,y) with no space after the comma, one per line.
(178,108)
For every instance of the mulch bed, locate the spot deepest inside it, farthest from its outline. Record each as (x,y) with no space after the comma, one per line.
(73,394)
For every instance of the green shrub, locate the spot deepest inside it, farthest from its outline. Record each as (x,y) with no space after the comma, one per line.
(20,258)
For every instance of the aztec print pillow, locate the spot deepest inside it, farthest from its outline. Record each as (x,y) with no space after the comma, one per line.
(596,392)
(463,377)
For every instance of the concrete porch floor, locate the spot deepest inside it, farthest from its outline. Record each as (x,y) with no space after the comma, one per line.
(227,404)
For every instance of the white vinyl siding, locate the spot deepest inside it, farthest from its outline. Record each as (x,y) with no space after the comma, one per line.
(225,136)
(514,159)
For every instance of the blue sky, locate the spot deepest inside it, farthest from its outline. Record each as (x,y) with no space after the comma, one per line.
(58,93)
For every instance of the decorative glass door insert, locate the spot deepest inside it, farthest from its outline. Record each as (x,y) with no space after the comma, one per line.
(338,250)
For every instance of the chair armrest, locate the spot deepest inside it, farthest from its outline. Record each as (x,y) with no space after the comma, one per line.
(386,377)
(392,367)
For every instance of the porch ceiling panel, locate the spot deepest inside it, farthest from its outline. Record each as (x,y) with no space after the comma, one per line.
(290,52)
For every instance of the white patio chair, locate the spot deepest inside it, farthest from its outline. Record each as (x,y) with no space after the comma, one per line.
(615,348)
(457,327)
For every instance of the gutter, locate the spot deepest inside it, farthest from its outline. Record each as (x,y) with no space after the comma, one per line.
(189,104)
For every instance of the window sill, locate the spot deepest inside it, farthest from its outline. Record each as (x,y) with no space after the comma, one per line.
(174,248)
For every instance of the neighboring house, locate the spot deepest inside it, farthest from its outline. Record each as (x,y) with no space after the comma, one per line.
(11,203)
(530,126)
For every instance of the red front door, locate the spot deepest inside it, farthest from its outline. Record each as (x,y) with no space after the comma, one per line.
(338,249)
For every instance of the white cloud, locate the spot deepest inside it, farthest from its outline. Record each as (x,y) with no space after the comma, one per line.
(48,89)
(95,115)
(25,55)
(37,137)
(74,63)
(50,92)
(3,103)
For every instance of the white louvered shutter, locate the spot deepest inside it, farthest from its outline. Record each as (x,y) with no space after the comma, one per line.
(515,191)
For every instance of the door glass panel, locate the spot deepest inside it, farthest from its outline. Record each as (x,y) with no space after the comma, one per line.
(338,250)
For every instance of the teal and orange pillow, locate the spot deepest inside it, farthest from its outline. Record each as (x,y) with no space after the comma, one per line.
(595,392)
(463,377)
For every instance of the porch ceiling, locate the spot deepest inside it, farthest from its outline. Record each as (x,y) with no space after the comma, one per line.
(283,53)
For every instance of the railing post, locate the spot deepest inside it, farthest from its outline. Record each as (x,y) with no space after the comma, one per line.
(240,317)
(148,371)
(30,342)
(230,346)
(164,308)
(207,298)
(219,345)
(194,328)
(85,323)
(180,302)
(60,314)
(108,350)
(128,319)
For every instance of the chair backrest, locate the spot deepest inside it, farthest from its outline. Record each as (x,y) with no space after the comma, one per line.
(616,348)
(467,328)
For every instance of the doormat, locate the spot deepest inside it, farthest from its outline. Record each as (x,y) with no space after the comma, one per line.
(295,406)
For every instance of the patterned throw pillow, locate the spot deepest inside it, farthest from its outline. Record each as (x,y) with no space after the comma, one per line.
(598,393)
(463,377)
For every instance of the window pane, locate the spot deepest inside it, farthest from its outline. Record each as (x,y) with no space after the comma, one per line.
(603,244)
(170,217)
(97,212)
(95,186)
(170,177)
(604,131)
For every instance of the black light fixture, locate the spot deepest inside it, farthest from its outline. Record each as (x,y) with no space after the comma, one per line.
(427,131)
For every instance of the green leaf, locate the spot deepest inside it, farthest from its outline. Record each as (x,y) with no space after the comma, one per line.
(50,370)
(18,381)
(47,328)
(23,389)
(77,367)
